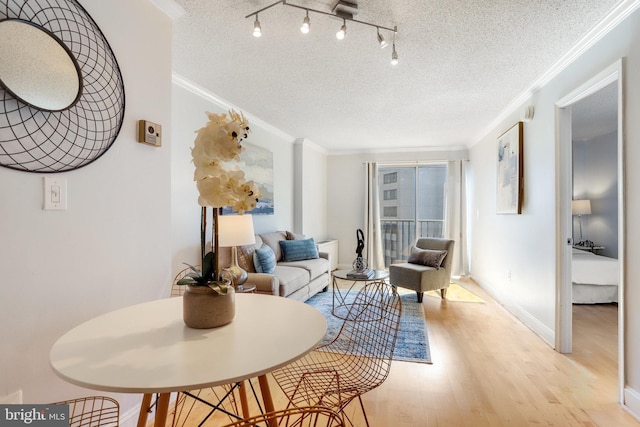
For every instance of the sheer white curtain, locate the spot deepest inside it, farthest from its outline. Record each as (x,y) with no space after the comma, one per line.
(372,230)
(455,215)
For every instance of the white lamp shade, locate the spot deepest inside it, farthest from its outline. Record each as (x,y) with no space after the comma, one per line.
(235,230)
(581,207)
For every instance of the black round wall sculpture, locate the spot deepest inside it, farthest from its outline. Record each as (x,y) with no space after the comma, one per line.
(46,137)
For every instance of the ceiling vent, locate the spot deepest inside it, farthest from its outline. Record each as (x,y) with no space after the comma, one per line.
(345,9)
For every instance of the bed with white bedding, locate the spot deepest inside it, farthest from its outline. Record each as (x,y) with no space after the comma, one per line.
(595,278)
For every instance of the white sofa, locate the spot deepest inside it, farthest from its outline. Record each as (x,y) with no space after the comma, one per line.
(299,280)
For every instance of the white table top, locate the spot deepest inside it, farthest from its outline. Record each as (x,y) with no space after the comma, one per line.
(146,348)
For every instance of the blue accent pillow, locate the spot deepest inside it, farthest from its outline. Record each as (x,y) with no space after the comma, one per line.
(264,259)
(298,250)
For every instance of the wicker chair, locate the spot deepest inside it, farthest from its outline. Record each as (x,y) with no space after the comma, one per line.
(93,411)
(178,290)
(356,361)
(307,416)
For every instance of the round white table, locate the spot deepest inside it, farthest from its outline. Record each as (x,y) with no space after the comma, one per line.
(147,348)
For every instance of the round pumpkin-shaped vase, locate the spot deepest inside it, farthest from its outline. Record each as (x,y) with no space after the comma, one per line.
(204,308)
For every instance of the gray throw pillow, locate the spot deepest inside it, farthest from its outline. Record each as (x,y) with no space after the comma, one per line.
(429,257)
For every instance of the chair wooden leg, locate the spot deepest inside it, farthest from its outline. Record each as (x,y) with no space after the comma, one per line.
(420,295)
(443,293)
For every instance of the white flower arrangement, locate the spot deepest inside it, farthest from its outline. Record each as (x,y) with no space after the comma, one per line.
(217,143)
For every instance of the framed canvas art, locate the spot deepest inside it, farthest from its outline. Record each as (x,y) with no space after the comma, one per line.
(509,180)
(257,164)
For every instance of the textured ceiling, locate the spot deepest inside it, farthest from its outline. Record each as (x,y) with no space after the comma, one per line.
(460,65)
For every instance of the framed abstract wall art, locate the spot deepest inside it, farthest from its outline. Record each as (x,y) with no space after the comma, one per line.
(510,187)
(257,164)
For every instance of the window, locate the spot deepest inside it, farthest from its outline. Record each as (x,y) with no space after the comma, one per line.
(390,194)
(390,178)
(390,211)
(412,205)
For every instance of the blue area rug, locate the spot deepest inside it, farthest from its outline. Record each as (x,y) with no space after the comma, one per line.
(412,344)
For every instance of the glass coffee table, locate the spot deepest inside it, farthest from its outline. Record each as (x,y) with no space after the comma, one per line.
(345,289)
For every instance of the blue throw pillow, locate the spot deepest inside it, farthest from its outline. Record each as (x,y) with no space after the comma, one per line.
(264,259)
(298,250)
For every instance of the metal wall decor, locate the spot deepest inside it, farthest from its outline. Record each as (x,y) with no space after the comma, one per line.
(40,134)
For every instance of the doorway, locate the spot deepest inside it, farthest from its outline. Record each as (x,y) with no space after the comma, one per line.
(609,79)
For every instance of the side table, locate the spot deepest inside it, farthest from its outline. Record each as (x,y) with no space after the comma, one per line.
(342,297)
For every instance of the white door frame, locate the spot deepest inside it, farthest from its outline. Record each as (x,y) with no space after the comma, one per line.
(564,187)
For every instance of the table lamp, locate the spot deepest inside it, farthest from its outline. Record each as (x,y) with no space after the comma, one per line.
(234,231)
(580,207)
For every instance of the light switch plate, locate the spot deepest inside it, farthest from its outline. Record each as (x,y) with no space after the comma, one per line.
(55,193)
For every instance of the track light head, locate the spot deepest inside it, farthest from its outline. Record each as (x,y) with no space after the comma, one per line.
(394,54)
(305,24)
(257,29)
(383,43)
(342,32)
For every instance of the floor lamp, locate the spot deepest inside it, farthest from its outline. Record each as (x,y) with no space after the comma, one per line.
(581,207)
(234,231)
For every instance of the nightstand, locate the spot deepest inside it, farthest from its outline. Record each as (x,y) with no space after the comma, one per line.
(595,249)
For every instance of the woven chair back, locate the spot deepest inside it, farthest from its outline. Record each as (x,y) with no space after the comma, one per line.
(93,411)
(306,416)
(370,331)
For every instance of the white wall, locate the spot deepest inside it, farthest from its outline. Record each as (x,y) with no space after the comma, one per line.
(514,256)
(189,106)
(111,247)
(595,177)
(310,190)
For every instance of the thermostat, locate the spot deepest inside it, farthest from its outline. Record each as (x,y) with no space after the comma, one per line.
(149,133)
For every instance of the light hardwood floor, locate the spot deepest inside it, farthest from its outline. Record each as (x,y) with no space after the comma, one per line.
(490,370)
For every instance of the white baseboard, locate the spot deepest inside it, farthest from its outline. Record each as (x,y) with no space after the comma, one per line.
(534,324)
(130,418)
(526,318)
(632,402)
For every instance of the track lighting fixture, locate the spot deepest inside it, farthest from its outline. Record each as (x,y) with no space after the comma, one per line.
(305,24)
(257,29)
(383,43)
(394,54)
(342,31)
(343,9)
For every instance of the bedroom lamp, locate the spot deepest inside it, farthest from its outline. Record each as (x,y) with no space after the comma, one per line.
(579,208)
(234,231)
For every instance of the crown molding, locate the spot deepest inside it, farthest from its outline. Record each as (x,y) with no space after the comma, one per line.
(308,143)
(172,9)
(192,87)
(448,149)
(601,29)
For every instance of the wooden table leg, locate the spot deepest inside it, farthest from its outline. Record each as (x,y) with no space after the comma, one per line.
(162,409)
(242,390)
(266,397)
(144,410)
